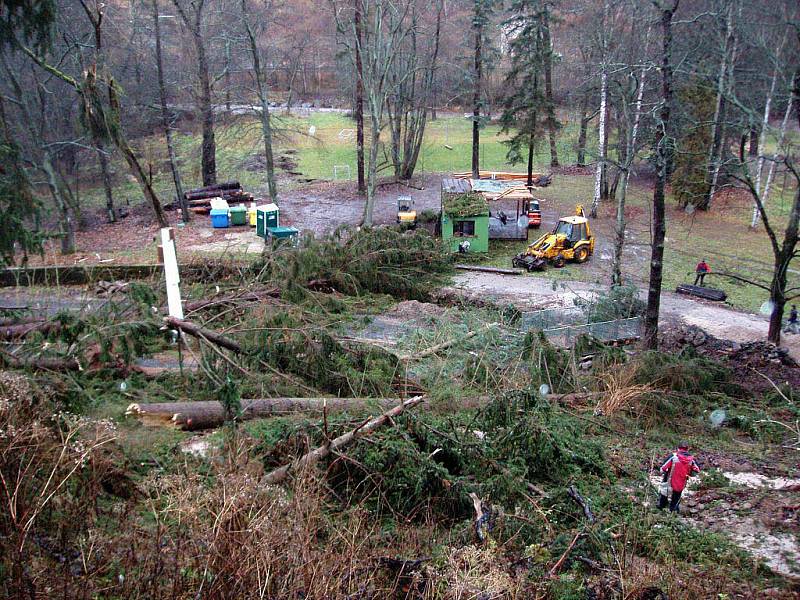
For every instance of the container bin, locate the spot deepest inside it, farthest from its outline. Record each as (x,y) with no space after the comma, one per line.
(219,218)
(238,215)
(282,233)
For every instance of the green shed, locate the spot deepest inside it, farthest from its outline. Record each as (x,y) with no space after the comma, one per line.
(465,222)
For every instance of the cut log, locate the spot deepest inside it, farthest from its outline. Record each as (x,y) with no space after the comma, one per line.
(227,185)
(193,416)
(497,270)
(41,364)
(201,332)
(278,475)
(702,292)
(16,332)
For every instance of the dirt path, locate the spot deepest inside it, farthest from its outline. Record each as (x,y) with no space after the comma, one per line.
(537,293)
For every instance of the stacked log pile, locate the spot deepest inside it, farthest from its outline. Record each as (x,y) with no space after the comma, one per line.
(199,200)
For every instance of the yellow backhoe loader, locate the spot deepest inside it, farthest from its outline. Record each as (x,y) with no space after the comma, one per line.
(570,240)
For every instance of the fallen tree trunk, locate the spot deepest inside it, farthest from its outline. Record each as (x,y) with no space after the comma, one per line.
(498,270)
(193,416)
(278,475)
(20,330)
(41,364)
(201,332)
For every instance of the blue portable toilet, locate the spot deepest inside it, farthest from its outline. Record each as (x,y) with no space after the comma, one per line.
(219,218)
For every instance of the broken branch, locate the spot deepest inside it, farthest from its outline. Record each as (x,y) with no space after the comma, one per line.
(321,452)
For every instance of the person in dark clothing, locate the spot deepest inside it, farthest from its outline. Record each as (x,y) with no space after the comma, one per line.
(701,270)
(676,471)
(792,325)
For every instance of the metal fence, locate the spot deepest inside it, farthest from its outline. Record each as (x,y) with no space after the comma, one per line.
(607,331)
(553,317)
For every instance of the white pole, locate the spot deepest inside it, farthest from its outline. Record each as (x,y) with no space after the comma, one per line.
(171,273)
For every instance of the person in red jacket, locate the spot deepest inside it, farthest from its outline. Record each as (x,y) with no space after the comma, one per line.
(701,270)
(676,471)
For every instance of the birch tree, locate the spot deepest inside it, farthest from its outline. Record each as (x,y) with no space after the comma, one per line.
(724,85)
(601,150)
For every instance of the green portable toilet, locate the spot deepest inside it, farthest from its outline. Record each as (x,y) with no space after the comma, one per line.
(266,216)
(238,215)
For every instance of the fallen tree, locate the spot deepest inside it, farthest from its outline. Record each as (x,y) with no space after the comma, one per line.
(280,474)
(193,416)
(20,330)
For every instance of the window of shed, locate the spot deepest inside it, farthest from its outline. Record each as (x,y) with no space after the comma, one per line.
(464,228)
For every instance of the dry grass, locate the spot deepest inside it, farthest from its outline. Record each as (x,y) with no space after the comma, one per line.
(621,393)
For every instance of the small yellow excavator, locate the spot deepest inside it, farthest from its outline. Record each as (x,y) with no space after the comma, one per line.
(570,240)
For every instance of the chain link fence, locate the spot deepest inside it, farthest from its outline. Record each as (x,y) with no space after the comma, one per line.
(564,325)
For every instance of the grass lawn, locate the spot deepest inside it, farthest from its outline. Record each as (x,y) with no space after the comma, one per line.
(721,236)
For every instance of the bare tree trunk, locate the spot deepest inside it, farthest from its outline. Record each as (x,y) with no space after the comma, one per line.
(601,154)
(228,76)
(359,100)
(165,118)
(781,138)
(107,188)
(530,154)
(476,96)
(762,138)
(369,206)
(552,125)
(718,128)
(263,96)
(63,205)
(661,143)
(581,159)
(209,144)
(619,241)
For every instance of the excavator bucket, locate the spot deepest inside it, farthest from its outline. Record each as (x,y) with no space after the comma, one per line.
(531,263)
